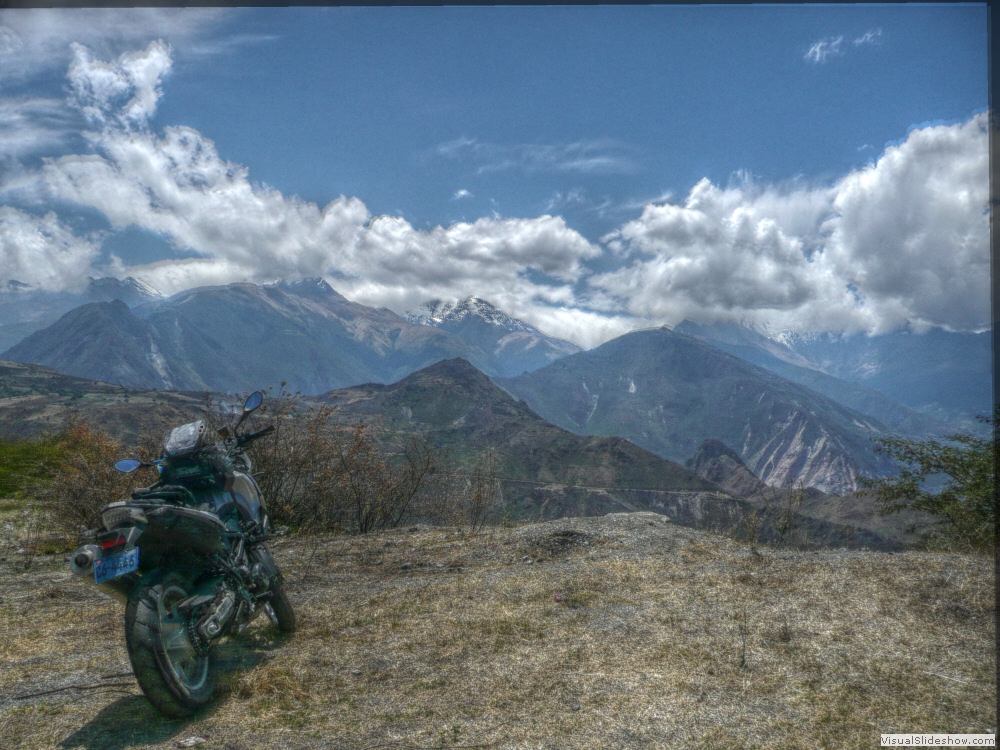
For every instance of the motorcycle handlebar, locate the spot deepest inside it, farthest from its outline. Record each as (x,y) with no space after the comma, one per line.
(245,439)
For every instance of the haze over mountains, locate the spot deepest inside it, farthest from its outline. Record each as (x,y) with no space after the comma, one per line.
(942,377)
(772,404)
(24,310)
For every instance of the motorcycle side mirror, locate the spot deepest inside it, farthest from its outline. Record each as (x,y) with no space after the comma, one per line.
(128,465)
(253,401)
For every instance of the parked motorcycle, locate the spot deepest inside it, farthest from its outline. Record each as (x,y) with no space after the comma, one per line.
(206,569)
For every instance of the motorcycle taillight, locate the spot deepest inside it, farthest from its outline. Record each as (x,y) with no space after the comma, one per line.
(112,541)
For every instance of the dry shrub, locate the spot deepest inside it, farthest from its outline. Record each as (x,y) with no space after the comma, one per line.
(318,476)
(83,480)
(461,496)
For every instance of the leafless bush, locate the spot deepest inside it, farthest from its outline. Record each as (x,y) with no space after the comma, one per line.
(293,465)
(29,538)
(378,493)
(484,494)
(317,476)
(463,495)
(753,522)
(772,522)
(84,479)
(783,506)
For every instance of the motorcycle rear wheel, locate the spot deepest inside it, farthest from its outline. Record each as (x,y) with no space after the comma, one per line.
(175,677)
(279,608)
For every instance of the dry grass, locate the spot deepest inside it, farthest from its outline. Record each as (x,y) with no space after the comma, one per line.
(615,632)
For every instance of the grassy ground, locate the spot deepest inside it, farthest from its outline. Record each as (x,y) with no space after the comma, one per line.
(617,632)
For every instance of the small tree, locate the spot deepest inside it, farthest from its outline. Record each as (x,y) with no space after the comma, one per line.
(966,506)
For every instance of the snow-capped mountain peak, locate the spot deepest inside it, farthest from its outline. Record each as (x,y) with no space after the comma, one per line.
(521,346)
(130,290)
(443,312)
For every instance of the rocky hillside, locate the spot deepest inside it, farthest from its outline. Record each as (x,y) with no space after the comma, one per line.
(36,400)
(545,471)
(720,464)
(810,510)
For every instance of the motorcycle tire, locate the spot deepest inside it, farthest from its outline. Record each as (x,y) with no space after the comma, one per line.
(281,608)
(175,677)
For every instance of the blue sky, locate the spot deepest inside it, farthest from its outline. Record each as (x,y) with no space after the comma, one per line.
(590,169)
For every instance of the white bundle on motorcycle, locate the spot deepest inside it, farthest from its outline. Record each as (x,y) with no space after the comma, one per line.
(186,438)
(195,457)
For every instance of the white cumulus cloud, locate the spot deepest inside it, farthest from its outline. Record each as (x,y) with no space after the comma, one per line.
(911,232)
(903,240)
(174,183)
(100,88)
(42,252)
(40,39)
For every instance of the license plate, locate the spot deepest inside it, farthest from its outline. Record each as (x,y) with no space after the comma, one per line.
(116,565)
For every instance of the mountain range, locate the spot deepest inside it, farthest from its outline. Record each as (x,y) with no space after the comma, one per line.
(669,392)
(664,390)
(243,336)
(922,384)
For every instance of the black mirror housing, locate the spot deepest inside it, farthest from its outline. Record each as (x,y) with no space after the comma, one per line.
(254,400)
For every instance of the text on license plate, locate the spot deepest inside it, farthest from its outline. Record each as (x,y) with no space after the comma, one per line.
(116,565)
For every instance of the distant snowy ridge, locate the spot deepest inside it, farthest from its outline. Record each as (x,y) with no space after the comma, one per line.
(129,287)
(516,345)
(437,312)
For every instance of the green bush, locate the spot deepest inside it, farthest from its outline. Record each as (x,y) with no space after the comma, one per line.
(965,507)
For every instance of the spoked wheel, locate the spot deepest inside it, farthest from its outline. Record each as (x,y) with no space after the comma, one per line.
(176,676)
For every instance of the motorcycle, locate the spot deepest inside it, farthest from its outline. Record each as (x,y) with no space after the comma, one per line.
(206,569)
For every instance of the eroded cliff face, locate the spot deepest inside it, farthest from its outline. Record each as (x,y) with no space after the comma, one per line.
(802,452)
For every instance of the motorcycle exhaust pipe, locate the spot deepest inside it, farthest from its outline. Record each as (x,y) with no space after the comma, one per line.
(82,561)
(82,564)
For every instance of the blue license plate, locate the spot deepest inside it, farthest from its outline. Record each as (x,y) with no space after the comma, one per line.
(116,565)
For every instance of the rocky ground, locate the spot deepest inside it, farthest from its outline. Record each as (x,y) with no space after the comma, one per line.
(621,631)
